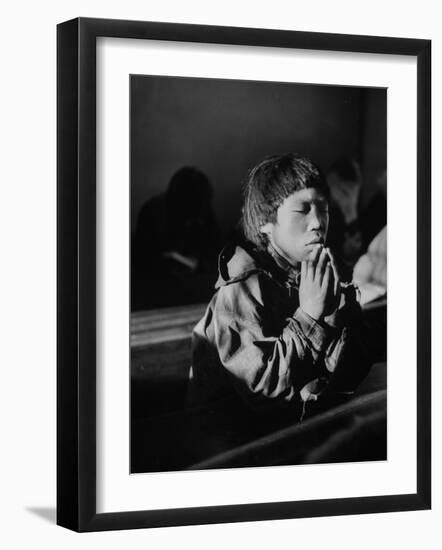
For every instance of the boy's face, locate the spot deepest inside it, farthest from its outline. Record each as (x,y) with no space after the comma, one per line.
(301,225)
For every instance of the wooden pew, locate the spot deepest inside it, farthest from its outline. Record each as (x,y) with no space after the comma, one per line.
(160,342)
(355,431)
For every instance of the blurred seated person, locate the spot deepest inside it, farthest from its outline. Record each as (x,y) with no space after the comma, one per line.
(370,275)
(374,215)
(176,244)
(345,237)
(370,272)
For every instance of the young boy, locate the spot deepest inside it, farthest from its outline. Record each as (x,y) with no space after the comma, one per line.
(282,334)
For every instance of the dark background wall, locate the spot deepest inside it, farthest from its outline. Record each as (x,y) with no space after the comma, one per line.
(224,127)
(374,145)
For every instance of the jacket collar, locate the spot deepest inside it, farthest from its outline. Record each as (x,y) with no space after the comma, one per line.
(292,273)
(238,261)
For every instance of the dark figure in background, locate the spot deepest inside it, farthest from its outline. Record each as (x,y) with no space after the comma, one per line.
(345,235)
(176,244)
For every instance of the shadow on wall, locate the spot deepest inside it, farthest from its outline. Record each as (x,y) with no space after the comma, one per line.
(176,244)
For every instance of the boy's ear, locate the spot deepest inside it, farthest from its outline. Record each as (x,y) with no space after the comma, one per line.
(267,228)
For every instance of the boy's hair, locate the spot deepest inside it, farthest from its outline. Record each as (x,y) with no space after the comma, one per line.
(268,184)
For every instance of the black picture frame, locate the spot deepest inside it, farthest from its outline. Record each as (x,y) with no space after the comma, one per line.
(76,274)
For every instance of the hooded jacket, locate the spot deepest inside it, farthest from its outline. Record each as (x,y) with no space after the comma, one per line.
(258,348)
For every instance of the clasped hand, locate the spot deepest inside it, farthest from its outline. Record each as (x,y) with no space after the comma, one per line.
(319,289)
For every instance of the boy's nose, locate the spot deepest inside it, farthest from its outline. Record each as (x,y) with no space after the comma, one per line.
(316,221)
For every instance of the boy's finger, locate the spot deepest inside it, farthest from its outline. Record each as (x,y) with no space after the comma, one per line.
(320,267)
(333,263)
(326,279)
(315,256)
(335,270)
(303,270)
(311,264)
(309,270)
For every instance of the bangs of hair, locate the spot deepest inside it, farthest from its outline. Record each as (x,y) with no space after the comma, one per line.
(268,184)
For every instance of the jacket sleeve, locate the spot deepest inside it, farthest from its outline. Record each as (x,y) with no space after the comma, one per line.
(268,371)
(347,357)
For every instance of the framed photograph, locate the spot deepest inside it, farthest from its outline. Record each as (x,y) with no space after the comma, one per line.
(225,201)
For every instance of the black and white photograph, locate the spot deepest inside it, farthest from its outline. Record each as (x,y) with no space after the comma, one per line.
(258,274)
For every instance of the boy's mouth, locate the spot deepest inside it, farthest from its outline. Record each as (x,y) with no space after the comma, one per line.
(317,240)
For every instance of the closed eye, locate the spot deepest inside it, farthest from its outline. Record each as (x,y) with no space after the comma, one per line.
(323,210)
